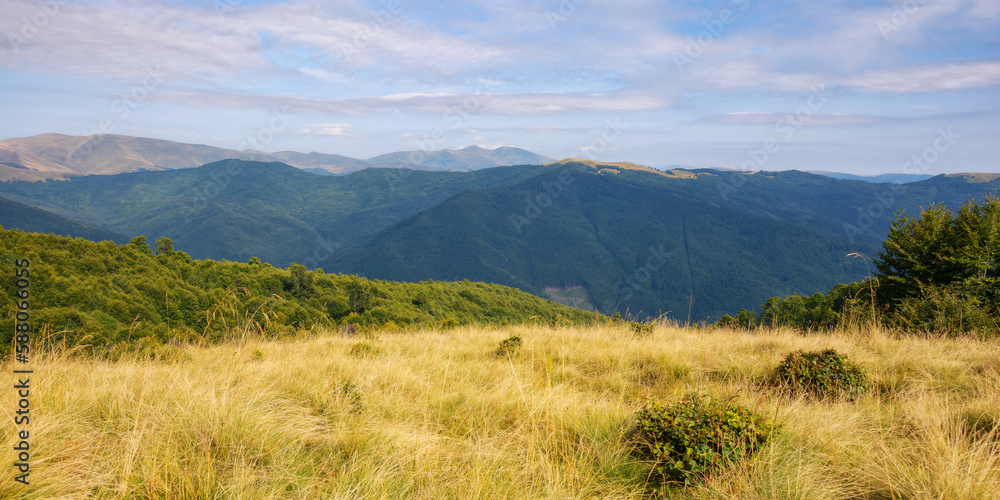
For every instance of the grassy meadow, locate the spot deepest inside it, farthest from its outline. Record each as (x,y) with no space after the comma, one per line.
(434,414)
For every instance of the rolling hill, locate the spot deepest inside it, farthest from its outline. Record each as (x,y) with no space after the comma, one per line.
(235,209)
(469,158)
(110,296)
(614,236)
(14,214)
(684,243)
(57,156)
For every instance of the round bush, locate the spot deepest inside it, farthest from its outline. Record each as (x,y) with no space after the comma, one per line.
(822,374)
(697,436)
(509,348)
(640,329)
(362,349)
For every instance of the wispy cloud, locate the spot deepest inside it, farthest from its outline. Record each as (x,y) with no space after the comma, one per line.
(335,129)
(931,78)
(537,103)
(813,120)
(507,67)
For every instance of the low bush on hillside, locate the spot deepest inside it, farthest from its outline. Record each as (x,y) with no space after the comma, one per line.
(362,349)
(697,436)
(640,329)
(746,320)
(823,374)
(510,347)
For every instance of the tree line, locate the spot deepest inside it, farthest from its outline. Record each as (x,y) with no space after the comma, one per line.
(105,294)
(938,272)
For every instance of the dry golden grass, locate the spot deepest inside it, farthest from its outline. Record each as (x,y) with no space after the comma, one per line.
(435,415)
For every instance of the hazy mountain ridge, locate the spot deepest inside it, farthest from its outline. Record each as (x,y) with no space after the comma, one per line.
(58,156)
(235,210)
(889,178)
(635,238)
(469,158)
(642,241)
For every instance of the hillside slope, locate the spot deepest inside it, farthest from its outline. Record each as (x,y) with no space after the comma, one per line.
(118,294)
(36,220)
(607,236)
(469,158)
(648,242)
(235,210)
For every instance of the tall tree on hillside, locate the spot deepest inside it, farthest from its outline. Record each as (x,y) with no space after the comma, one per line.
(941,271)
(140,243)
(918,251)
(164,246)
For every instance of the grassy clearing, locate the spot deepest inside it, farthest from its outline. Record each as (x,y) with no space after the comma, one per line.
(432,414)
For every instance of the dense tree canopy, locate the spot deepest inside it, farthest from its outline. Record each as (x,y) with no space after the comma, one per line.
(103,294)
(941,271)
(938,272)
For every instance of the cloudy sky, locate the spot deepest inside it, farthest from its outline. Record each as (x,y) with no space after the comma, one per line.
(861,86)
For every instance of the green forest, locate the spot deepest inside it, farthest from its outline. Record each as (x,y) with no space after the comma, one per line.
(105,295)
(691,245)
(938,272)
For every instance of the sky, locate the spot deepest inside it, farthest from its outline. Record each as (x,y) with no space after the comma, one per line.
(863,87)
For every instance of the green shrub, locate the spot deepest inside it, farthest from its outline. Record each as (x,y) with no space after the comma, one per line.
(641,329)
(944,311)
(746,320)
(509,348)
(822,374)
(697,436)
(363,349)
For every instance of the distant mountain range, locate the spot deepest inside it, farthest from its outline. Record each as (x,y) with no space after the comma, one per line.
(890,178)
(57,156)
(605,236)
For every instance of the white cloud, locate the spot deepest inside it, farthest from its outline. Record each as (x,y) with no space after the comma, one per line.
(335,129)
(445,105)
(814,120)
(930,78)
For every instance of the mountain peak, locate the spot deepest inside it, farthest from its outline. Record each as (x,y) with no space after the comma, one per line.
(58,156)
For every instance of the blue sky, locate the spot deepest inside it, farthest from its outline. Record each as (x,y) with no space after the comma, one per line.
(850,86)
